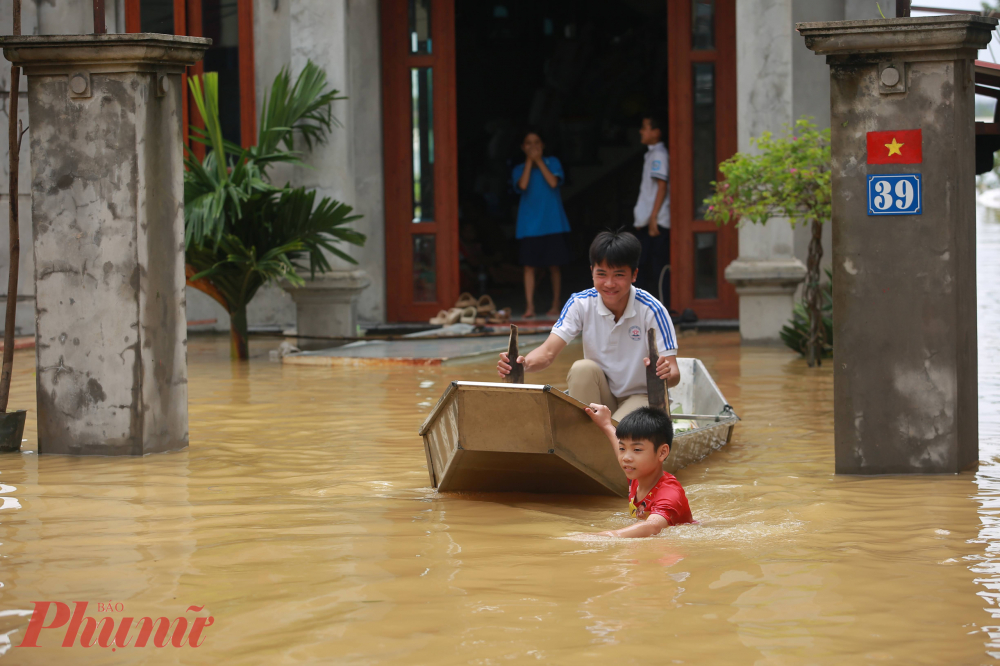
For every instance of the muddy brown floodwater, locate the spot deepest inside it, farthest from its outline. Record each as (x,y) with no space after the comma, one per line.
(302,520)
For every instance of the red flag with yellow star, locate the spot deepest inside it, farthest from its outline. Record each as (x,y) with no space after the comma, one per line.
(896,147)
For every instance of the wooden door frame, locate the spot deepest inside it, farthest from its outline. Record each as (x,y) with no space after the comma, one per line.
(187,21)
(683,226)
(398,156)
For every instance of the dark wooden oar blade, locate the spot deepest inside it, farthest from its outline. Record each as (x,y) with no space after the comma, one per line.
(516,375)
(656,388)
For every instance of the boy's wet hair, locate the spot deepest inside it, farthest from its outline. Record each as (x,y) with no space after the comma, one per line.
(616,248)
(647,423)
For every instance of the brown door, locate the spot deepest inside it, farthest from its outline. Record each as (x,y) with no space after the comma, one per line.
(419,131)
(702,84)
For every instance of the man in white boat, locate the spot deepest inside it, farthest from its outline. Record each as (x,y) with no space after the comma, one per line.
(613,318)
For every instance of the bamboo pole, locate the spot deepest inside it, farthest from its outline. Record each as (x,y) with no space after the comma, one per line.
(14,145)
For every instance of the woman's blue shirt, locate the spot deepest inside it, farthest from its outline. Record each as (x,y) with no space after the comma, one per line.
(541,210)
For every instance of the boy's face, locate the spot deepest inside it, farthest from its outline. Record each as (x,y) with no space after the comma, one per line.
(648,135)
(613,282)
(639,458)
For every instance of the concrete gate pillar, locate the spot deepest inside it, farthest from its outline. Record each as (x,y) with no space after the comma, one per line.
(904,279)
(107,216)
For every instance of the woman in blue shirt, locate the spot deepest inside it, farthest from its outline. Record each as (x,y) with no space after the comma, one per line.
(542,226)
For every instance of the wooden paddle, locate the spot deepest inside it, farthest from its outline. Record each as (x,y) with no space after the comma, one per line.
(516,375)
(656,388)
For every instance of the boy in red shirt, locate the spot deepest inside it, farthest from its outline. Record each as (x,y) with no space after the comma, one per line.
(642,442)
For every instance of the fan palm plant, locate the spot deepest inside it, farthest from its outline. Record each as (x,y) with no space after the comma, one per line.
(243,232)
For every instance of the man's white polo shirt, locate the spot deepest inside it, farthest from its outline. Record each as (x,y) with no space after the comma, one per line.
(618,347)
(656,167)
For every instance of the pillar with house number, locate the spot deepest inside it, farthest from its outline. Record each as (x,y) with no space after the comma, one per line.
(904,240)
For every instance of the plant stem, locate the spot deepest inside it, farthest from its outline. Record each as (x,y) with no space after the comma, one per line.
(239,348)
(814,347)
(14,144)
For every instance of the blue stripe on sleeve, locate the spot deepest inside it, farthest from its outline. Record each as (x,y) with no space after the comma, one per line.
(589,293)
(660,314)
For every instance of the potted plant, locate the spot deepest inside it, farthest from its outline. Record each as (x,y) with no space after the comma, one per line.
(243,232)
(787,176)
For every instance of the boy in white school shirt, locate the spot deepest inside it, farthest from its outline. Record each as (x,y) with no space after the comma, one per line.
(652,210)
(613,318)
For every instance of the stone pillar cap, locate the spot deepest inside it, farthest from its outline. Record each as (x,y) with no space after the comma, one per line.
(927,36)
(41,54)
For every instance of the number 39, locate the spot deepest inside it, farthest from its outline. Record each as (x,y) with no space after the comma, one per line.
(885,201)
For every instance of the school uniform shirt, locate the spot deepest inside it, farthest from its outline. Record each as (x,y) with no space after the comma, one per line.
(540,211)
(618,347)
(656,167)
(666,499)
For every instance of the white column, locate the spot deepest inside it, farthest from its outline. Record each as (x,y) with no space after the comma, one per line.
(342,37)
(767,272)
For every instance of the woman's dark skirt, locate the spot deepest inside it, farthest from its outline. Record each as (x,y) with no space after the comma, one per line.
(541,251)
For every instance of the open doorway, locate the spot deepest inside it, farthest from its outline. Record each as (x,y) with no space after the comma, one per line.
(584,75)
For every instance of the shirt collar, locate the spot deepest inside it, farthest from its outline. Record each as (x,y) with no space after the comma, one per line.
(654,146)
(629,307)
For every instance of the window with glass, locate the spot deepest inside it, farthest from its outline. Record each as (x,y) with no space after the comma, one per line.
(420,27)
(424,268)
(706,274)
(157,16)
(703,25)
(422,94)
(705,166)
(220,22)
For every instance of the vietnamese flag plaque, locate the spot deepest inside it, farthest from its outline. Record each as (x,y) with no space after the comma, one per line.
(896,147)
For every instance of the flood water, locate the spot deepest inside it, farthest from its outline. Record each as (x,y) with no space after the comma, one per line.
(301,519)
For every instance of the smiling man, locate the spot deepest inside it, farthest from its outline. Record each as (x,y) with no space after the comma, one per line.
(613,318)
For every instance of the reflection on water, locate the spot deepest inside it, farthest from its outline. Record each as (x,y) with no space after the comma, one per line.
(302,519)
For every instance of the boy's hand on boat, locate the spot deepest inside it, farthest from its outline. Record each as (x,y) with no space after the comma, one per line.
(600,414)
(503,365)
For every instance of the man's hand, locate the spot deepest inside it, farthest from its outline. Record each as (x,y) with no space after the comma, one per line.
(664,369)
(654,228)
(503,366)
(599,414)
(535,154)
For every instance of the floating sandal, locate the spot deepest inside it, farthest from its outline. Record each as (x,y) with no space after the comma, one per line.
(468,315)
(465,300)
(486,306)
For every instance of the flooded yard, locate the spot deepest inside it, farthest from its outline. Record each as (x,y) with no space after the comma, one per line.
(301,519)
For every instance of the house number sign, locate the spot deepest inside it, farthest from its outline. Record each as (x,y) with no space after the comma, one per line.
(897,194)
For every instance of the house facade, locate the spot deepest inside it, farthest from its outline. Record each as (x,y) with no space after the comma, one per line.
(436,91)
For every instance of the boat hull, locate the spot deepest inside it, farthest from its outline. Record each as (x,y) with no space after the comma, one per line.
(488,437)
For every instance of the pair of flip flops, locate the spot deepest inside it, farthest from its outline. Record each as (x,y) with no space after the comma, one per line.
(470,310)
(455,316)
(484,305)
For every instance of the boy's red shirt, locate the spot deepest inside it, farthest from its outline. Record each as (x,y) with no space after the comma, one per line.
(666,498)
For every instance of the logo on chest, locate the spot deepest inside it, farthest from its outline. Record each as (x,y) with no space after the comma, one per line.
(635,333)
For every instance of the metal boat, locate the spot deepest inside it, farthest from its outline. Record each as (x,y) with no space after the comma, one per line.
(535,438)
